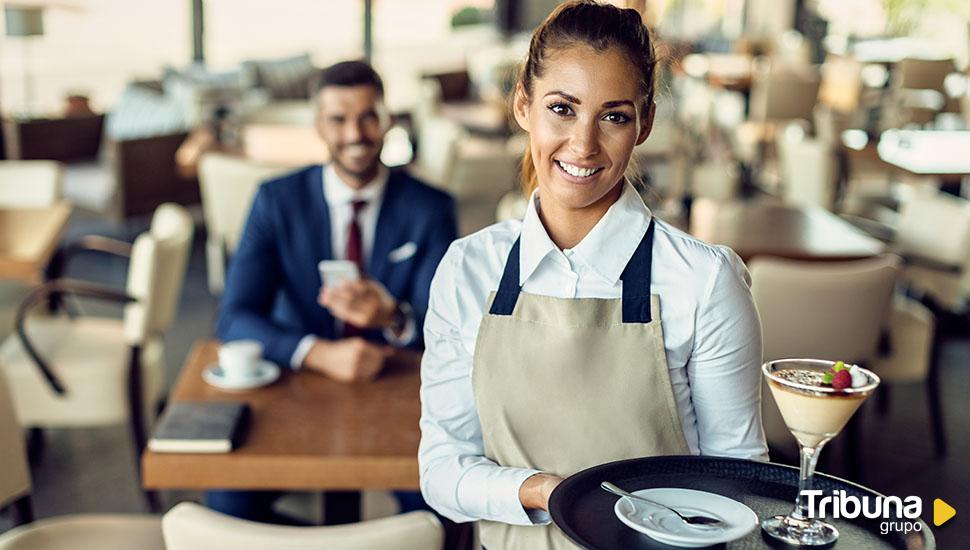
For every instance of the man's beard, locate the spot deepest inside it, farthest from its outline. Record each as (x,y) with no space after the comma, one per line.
(366,174)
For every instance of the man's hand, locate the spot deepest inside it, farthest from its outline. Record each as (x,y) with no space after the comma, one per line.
(364,304)
(348,360)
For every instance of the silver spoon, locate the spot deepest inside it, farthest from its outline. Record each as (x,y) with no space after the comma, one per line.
(705,521)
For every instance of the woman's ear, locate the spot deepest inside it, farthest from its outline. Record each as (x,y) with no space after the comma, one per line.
(646,123)
(520,107)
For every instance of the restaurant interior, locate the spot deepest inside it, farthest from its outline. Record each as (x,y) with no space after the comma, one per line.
(827,142)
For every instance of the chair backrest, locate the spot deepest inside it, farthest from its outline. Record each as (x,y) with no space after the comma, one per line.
(189,526)
(922,74)
(156,272)
(284,113)
(841,85)
(228,184)
(438,144)
(935,226)
(808,169)
(15,473)
(823,310)
(783,93)
(30,183)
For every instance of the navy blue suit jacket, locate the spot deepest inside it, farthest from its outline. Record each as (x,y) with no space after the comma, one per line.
(273,281)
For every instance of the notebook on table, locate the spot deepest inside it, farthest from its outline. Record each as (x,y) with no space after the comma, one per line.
(200,427)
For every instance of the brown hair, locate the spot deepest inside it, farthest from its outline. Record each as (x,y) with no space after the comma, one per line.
(599,26)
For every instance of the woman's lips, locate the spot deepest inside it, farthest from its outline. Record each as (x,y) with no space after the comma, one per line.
(577,174)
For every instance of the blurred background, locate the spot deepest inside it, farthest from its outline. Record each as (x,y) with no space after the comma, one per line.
(812,136)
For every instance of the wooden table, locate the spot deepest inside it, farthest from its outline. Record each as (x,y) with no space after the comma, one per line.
(764,228)
(28,238)
(307,433)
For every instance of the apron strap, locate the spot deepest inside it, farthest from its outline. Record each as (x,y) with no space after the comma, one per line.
(636,294)
(636,281)
(508,288)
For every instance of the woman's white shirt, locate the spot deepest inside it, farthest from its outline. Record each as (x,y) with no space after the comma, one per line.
(712,338)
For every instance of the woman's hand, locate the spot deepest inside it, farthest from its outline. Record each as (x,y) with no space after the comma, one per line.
(534,491)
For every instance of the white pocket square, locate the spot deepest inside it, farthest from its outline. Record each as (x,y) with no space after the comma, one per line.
(402,252)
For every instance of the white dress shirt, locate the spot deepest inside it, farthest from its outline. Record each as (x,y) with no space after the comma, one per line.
(712,338)
(340,198)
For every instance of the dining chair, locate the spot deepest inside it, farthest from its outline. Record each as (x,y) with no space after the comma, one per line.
(71,532)
(228,184)
(841,84)
(438,142)
(25,184)
(922,74)
(72,371)
(824,310)
(189,526)
(933,237)
(781,93)
(30,183)
(808,166)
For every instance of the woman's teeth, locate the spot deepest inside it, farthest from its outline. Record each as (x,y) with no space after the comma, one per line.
(576,170)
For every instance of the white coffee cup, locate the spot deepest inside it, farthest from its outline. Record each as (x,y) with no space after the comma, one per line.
(239,359)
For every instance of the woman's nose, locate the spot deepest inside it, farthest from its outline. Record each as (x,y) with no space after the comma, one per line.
(585,139)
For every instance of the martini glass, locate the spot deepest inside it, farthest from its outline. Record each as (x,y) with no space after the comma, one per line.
(814,414)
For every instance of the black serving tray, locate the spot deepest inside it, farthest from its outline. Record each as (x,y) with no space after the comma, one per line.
(584,512)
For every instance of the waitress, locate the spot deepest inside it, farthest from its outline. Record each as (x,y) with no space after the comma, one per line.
(590,331)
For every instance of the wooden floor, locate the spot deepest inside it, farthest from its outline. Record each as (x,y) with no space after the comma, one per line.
(93,470)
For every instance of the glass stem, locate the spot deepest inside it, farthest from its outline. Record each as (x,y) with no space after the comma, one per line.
(806,471)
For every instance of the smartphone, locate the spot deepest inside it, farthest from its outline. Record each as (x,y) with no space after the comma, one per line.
(335,272)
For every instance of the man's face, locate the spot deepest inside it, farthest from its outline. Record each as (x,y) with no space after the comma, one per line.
(351,121)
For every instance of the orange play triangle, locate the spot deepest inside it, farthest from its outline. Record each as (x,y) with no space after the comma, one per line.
(942,512)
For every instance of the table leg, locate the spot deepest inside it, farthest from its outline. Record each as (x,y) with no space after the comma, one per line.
(341,507)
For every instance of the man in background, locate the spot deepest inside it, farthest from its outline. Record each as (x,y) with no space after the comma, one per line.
(392,226)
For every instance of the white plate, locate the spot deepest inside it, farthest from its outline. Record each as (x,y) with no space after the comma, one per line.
(266,374)
(663,526)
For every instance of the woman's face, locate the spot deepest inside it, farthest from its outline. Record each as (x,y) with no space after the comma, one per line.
(583,119)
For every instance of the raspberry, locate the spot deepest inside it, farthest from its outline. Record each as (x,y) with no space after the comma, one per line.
(841,380)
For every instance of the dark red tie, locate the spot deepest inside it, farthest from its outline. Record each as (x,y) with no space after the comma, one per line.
(355,253)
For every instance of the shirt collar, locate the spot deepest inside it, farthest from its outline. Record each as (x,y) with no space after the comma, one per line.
(337,192)
(606,249)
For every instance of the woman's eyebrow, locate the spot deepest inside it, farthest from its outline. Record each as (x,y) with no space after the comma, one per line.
(564,95)
(618,103)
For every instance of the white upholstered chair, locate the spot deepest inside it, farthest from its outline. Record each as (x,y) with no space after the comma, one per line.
(74,532)
(67,371)
(843,311)
(804,313)
(30,183)
(933,236)
(809,171)
(189,526)
(228,184)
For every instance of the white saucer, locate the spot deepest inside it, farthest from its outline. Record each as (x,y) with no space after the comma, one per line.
(663,526)
(266,374)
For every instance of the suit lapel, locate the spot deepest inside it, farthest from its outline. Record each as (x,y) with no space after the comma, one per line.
(318,226)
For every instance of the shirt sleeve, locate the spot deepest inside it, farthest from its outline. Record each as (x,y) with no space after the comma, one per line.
(725,365)
(457,479)
(301,351)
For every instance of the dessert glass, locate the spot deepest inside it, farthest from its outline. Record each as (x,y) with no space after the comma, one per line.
(814,414)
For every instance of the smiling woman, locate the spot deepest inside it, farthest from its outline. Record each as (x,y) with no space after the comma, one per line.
(589,331)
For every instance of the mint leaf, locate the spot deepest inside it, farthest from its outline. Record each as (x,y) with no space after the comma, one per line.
(827,378)
(840,365)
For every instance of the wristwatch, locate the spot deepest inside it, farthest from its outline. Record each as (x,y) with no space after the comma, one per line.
(399,318)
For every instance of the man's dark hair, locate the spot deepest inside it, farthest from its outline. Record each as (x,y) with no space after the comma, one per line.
(350,73)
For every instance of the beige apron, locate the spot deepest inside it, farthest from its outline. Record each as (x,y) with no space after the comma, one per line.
(565,384)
